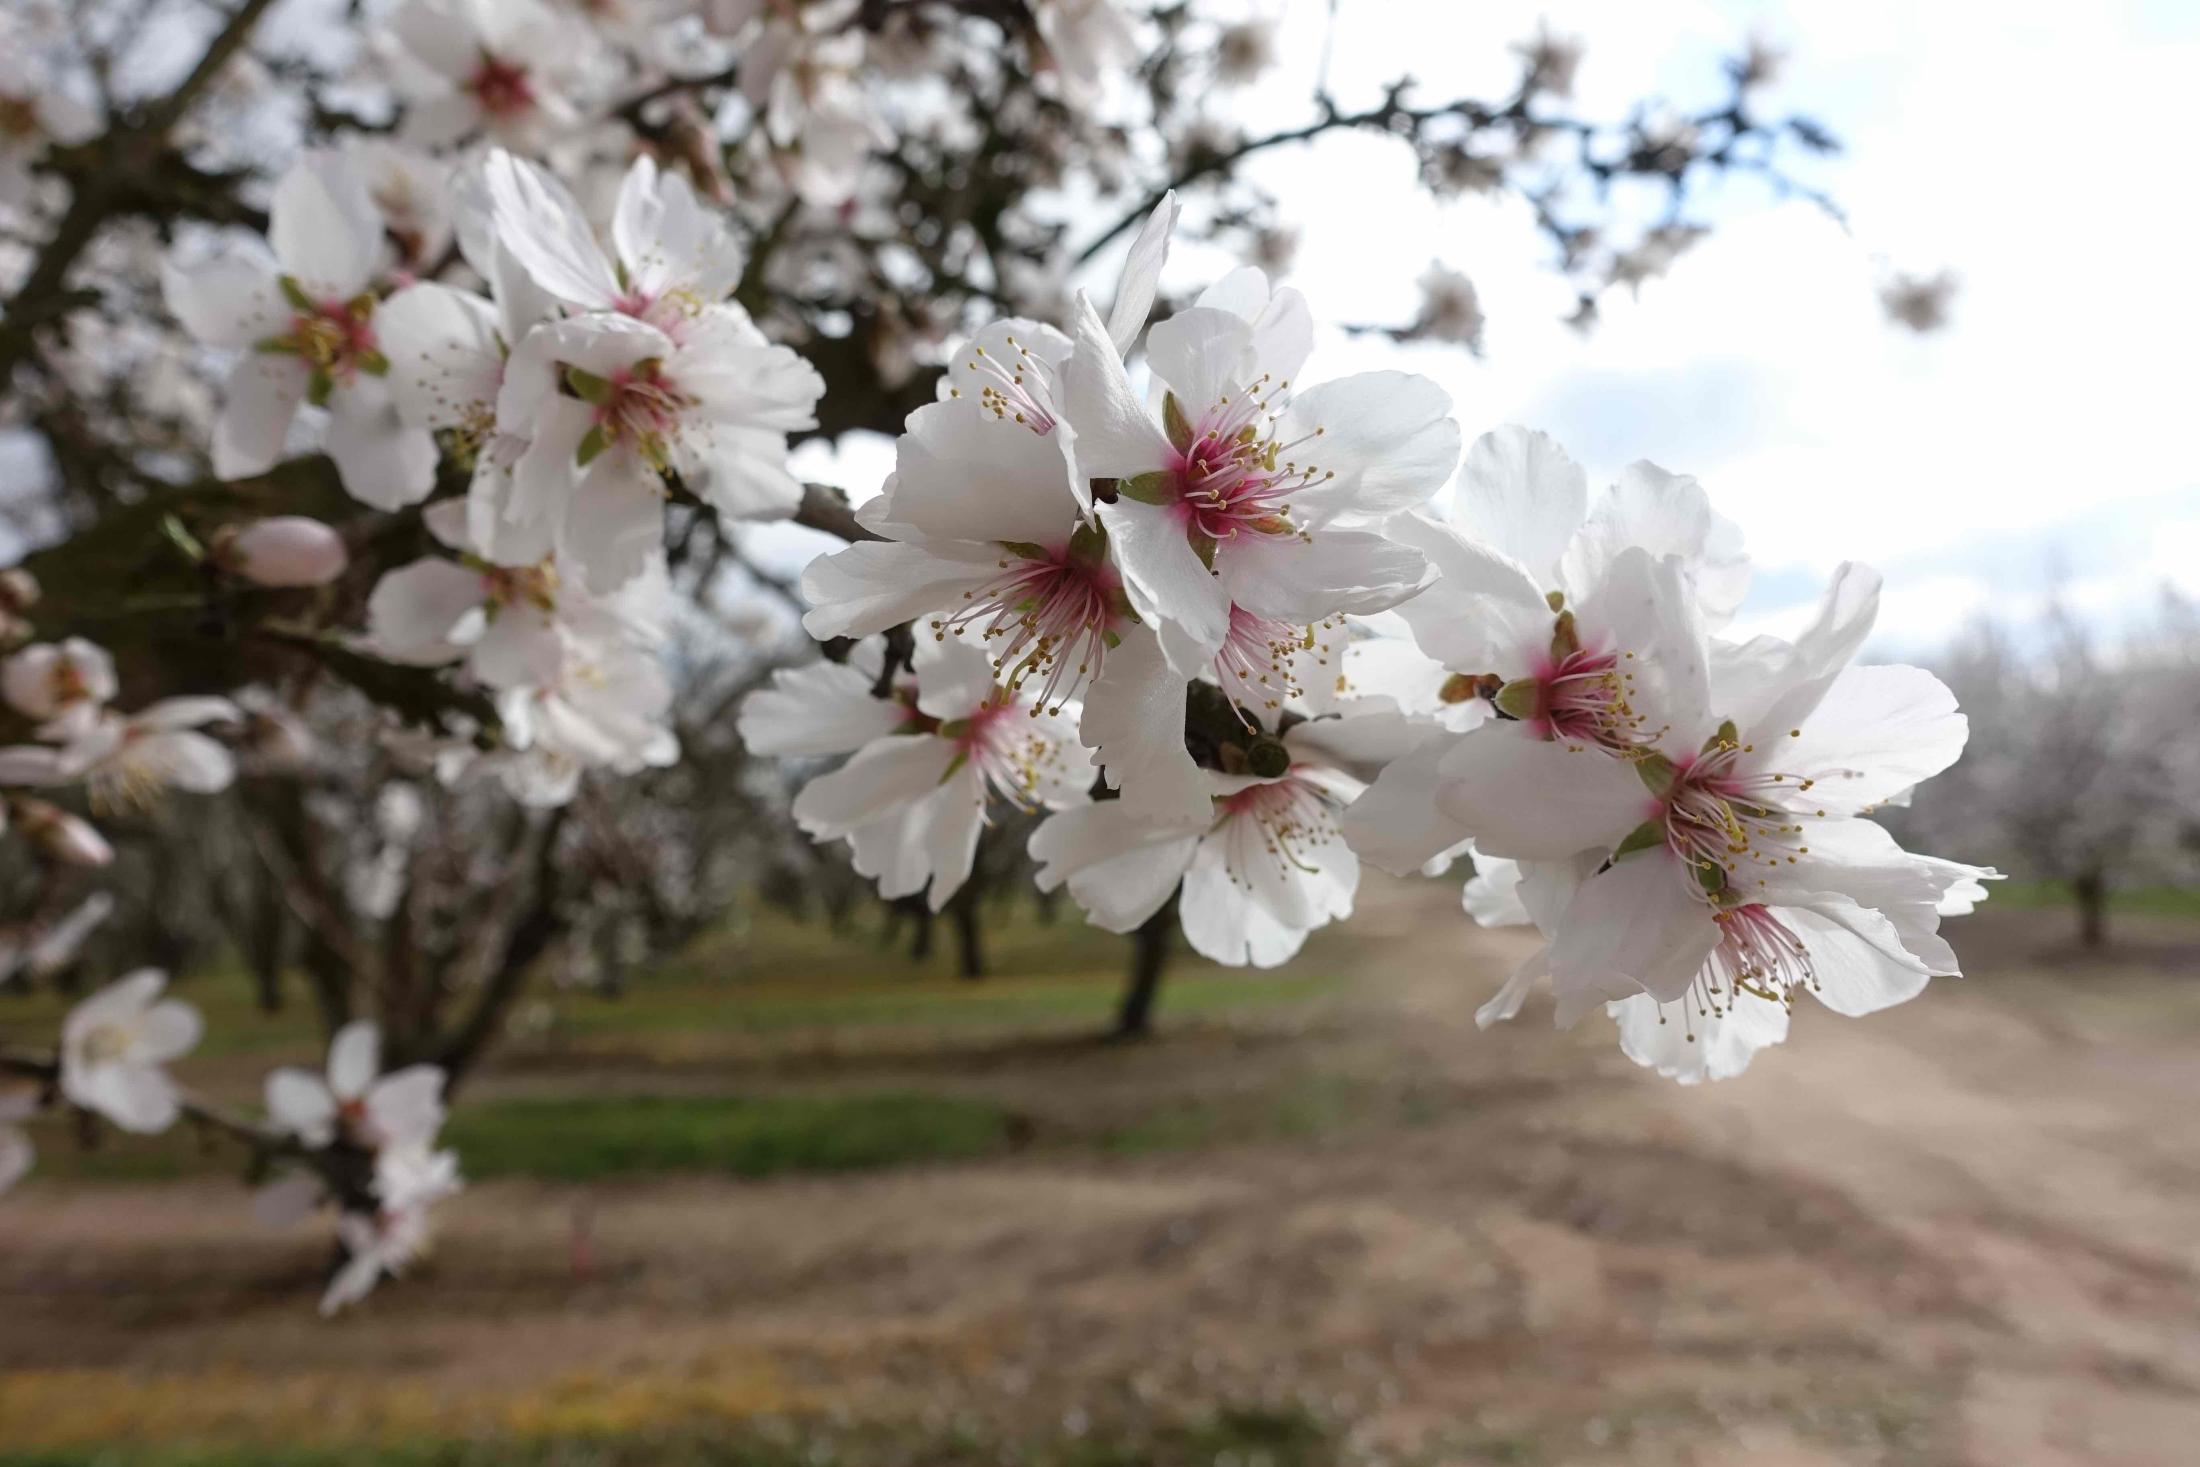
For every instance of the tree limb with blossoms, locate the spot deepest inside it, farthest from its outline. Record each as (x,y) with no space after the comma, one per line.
(404,382)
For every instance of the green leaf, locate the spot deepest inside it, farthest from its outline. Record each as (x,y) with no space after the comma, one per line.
(594,443)
(1724,734)
(1711,876)
(374,364)
(1519,698)
(1088,545)
(296,295)
(1158,487)
(1657,773)
(1565,639)
(1642,838)
(1203,546)
(318,387)
(1025,550)
(587,386)
(1175,424)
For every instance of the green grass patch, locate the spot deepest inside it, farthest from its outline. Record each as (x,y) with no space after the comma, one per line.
(1275,1438)
(580,1138)
(2140,901)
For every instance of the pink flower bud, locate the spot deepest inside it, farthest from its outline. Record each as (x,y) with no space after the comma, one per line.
(61,836)
(287,550)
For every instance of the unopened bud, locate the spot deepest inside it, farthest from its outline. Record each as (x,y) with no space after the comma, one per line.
(287,550)
(1268,759)
(61,836)
(18,590)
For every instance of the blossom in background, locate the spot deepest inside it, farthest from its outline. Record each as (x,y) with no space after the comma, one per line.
(927,763)
(491,68)
(36,114)
(413,194)
(114,1044)
(408,1182)
(659,377)
(303,313)
(283,550)
(56,834)
(801,70)
(1451,310)
(128,761)
(355,1099)
(606,709)
(1268,867)
(1087,41)
(61,686)
(40,947)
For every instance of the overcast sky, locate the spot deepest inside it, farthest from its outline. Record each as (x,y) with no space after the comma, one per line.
(2040,148)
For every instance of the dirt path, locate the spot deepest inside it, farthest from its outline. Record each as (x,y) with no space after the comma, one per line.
(1966,1233)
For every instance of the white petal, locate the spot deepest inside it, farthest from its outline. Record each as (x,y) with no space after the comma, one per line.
(1198,353)
(876,584)
(1305,581)
(522,647)
(1521,495)
(354,1058)
(446,361)
(1116,437)
(414,609)
(1877,732)
(299,1104)
(324,228)
(1166,582)
(1134,290)
(954,677)
(1534,800)
(382,462)
(1120,869)
(168,1030)
(890,772)
(230,300)
(406,1108)
(614,525)
(1683,1042)
(1858,963)
(960,474)
(1398,824)
(1388,439)
(1134,724)
(547,232)
(824,708)
(258,402)
(1223,922)
(1635,926)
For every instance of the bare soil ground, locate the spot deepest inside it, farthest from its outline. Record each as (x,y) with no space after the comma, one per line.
(1964,1232)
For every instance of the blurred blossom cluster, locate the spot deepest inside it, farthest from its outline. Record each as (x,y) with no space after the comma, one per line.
(405,385)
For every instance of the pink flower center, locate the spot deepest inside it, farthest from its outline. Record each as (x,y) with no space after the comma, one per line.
(1236,477)
(641,408)
(1262,659)
(1758,957)
(1584,698)
(1051,617)
(1012,755)
(336,338)
(501,87)
(1285,821)
(1732,825)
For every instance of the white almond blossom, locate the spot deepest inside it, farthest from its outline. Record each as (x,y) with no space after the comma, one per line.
(1268,867)
(61,686)
(1571,618)
(113,1047)
(660,377)
(1727,869)
(408,1182)
(607,708)
(302,311)
(489,68)
(284,550)
(57,834)
(36,114)
(128,761)
(927,761)
(801,69)
(355,1099)
(40,947)
(1248,496)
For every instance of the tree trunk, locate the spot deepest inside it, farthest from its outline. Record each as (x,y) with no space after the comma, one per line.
(265,942)
(2091,890)
(969,946)
(1150,946)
